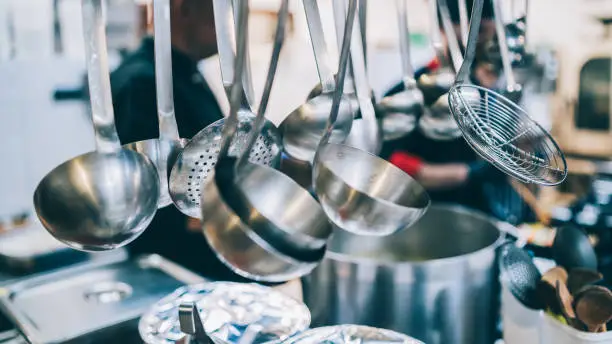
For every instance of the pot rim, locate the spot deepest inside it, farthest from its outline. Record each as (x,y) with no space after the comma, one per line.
(503,228)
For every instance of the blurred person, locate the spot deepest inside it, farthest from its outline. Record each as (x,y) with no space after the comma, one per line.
(172,234)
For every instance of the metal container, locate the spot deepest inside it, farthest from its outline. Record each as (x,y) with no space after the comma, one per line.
(347,334)
(436,281)
(88,304)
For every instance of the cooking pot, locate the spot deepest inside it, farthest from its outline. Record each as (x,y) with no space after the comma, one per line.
(436,281)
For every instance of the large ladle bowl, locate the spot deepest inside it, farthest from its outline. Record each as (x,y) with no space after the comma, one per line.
(104,199)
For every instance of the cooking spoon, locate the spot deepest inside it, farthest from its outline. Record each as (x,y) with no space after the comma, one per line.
(548,287)
(164,150)
(594,307)
(566,300)
(520,275)
(104,199)
(580,277)
(571,248)
(410,101)
(303,128)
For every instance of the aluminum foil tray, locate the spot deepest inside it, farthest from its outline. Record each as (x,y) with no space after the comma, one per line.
(227,310)
(351,334)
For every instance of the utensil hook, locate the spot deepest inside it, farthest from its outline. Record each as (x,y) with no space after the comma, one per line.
(279,39)
(168,128)
(96,55)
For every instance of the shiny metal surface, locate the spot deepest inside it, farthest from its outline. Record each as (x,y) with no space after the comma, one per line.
(359,191)
(197,161)
(163,151)
(436,281)
(348,334)
(410,101)
(513,89)
(437,123)
(246,214)
(104,199)
(227,310)
(365,194)
(72,304)
(303,128)
(499,130)
(190,324)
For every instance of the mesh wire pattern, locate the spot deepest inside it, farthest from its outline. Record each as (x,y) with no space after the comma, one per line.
(506,136)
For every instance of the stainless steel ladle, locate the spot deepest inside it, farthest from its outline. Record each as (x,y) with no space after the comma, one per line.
(104,199)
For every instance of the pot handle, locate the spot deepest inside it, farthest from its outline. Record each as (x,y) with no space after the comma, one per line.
(510,234)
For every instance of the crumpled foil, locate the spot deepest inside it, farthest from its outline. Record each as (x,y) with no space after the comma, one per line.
(351,334)
(227,310)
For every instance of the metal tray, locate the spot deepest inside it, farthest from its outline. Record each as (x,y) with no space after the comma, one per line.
(85,304)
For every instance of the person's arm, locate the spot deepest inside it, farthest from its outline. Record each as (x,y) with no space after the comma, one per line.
(135,108)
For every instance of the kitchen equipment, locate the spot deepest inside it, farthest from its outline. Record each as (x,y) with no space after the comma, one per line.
(547,288)
(594,307)
(104,199)
(566,305)
(413,281)
(410,101)
(572,248)
(196,162)
(12,337)
(520,275)
(581,277)
(513,89)
(227,309)
(463,22)
(365,133)
(164,150)
(94,303)
(351,334)
(259,207)
(303,127)
(553,331)
(499,130)
(358,191)
(191,323)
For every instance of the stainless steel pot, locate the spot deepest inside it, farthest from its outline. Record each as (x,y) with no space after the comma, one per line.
(436,281)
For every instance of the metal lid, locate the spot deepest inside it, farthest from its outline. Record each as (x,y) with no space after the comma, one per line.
(227,309)
(352,334)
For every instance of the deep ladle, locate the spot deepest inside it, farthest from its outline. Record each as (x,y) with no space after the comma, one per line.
(104,199)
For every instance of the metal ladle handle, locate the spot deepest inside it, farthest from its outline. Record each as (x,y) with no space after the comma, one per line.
(168,129)
(319,47)
(363,24)
(341,75)
(279,39)
(404,43)
(463,21)
(470,50)
(247,78)
(223,14)
(96,55)
(436,37)
(236,91)
(503,46)
(451,37)
(339,9)
(191,323)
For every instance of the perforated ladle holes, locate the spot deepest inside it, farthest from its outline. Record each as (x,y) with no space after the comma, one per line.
(204,165)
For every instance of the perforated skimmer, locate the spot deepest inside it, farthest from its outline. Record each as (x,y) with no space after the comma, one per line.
(499,130)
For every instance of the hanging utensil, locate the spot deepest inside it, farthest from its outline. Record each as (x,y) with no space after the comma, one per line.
(572,248)
(437,123)
(260,222)
(463,22)
(303,127)
(520,275)
(513,89)
(594,307)
(364,135)
(410,101)
(164,150)
(499,130)
(361,192)
(196,162)
(104,199)
(578,278)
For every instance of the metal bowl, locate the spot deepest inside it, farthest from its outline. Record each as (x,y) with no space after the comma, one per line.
(99,201)
(364,194)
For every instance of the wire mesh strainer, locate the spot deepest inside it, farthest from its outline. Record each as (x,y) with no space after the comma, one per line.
(499,130)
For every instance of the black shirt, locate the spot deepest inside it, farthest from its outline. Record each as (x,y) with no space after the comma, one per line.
(135,105)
